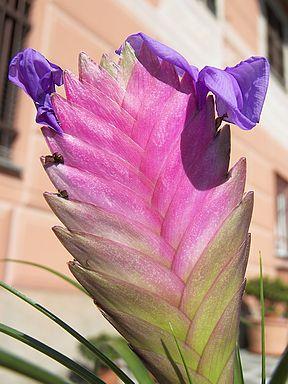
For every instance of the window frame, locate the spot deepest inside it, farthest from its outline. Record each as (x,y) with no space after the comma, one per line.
(15,25)
(210,9)
(283,18)
(281,189)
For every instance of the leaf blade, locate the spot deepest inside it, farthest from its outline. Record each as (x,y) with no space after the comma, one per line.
(25,368)
(174,365)
(280,374)
(51,270)
(263,357)
(238,370)
(134,364)
(87,375)
(181,355)
(70,330)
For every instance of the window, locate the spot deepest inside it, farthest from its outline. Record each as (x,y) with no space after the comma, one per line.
(14,26)
(211,4)
(282,218)
(275,41)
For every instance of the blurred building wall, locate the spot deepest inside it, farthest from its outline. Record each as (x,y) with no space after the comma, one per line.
(63,28)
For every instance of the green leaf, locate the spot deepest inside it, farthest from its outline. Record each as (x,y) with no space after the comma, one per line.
(87,375)
(181,355)
(134,364)
(238,371)
(25,368)
(280,374)
(70,330)
(174,365)
(51,270)
(263,380)
(101,342)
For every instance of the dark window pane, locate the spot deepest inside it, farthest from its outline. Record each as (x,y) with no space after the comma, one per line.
(211,4)
(14,26)
(282,218)
(275,37)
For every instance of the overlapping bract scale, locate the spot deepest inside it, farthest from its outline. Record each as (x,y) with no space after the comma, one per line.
(155,220)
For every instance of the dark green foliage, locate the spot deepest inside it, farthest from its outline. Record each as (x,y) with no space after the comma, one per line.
(275,290)
(116,348)
(121,374)
(280,375)
(101,342)
(88,376)
(26,368)
(263,343)
(238,370)
(275,293)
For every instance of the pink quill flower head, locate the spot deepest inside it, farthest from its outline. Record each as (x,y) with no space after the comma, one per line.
(156,222)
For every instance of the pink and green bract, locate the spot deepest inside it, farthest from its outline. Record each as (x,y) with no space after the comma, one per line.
(155,220)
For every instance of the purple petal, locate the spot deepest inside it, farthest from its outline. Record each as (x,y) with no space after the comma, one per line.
(46,115)
(32,72)
(240,91)
(140,42)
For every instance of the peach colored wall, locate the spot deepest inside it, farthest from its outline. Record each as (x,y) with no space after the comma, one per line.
(60,30)
(243,16)
(266,157)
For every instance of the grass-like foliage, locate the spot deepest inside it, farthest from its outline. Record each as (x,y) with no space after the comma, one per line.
(28,369)
(70,330)
(115,348)
(105,350)
(261,288)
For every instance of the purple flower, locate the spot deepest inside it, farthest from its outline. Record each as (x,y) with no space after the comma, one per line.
(32,72)
(138,40)
(46,115)
(240,91)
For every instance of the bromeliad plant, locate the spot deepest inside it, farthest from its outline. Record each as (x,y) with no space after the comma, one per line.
(155,220)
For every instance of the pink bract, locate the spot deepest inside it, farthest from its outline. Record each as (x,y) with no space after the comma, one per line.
(156,222)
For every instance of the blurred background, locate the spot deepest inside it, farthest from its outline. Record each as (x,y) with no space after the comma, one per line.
(206,32)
